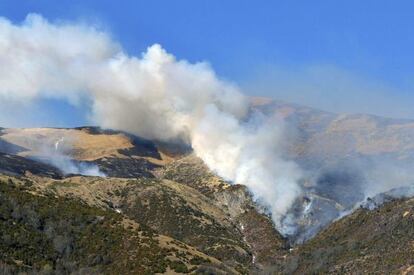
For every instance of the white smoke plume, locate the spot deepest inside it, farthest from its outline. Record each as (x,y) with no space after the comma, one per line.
(58,157)
(56,152)
(154,96)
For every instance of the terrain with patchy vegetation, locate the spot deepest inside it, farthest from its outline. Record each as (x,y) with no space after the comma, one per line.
(161,210)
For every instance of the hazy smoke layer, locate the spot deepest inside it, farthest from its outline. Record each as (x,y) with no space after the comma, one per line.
(154,96)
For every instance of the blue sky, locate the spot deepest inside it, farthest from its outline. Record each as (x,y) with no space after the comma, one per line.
(349,56)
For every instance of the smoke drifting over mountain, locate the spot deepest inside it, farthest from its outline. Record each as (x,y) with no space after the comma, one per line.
(159,97)
(154,96)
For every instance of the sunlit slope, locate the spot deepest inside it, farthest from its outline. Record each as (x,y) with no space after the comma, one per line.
(87,144)
(44,232)
(323,135)
(117,154)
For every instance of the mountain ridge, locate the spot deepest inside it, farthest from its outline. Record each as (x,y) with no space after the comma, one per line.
(167,189)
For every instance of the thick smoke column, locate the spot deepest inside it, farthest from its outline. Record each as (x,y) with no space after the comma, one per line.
(154,96)
(247,153)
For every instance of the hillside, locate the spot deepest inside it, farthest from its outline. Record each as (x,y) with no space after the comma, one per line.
(377,241)
(42,232)
(160,209)
(322,136)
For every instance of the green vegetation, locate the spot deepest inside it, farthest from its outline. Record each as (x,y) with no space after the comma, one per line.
(380,240)
(48,234)
(166,212)
(47,227)
(193,172)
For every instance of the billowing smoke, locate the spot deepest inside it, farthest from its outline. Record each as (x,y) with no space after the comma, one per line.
(248,153)
(159,97)
(154,96)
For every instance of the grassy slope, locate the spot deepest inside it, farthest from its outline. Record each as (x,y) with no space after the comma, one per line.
(194,207)
(70,225)
(380,241)
(51,233)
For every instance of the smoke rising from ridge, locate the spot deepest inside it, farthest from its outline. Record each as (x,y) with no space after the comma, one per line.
(154,96)
(159,97)
(57,157)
